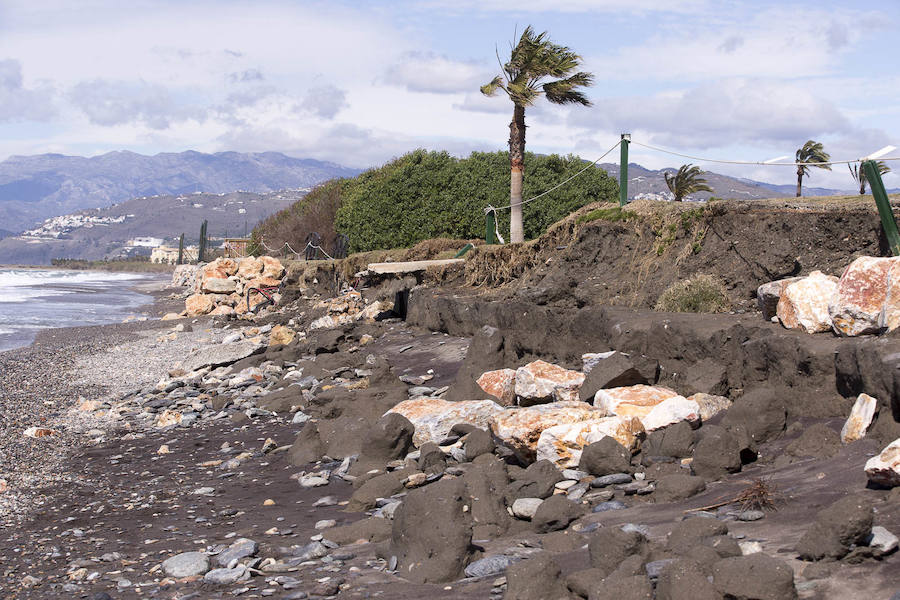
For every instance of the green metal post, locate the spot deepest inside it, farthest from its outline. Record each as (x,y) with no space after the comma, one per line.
(888,223)
(463,250)
(623,169)
(181,249)
(201,249)
(490,227)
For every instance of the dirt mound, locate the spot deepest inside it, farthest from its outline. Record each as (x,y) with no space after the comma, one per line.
(603,255)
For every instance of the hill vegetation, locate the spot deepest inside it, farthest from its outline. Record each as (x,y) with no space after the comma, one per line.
(424,195)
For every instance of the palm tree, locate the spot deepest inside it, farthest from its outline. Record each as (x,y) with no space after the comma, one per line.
(859,174)
(531,61)
(811,152)
(686,181)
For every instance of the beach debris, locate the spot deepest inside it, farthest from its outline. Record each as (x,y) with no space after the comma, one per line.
(860,418)
(884,469)
(38,432)
(804,304)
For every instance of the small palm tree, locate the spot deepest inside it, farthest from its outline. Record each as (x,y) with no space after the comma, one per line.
(811,152)
(859,174)
(686,181)
(534,59)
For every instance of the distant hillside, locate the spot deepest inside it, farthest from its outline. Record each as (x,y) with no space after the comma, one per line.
(34,188)
(646,181)
(104,233)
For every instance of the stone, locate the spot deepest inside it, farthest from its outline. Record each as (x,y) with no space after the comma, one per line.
(629,587)
(768,294)
(890,312)
(433,417)
(845,523)
(537,578)
(589,360)
(537,481)
(761,412)
(856,306)
(431,533)
(609,546)
(555,513)
(618,370)
(390,438)
(754,577)
(186,564)
(676,441)
(540,382)
(249,267)
(521,428)
(490,565)
(684,579)
(632,401)
(717,453)
(884,469)
(804,304)
(198,304)
(478,442)
(671,411)
(239,549)
(272,267)
(501,384)
(563,444)
(609,505)
(281,336)
(710,404)
(226,576)
(604,457)
(525,508)
(611,479)
(861,416)
(882,541)
(218,286)
(671,488)
(687,534)
(222,311)
(168,417)
(220,354)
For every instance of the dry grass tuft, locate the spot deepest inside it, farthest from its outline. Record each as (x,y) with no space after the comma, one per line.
(699,294)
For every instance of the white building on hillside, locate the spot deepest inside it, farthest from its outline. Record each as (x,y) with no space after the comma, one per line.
(146,242)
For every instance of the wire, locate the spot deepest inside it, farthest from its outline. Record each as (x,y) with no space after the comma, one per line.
(561,183)
(766,164)
(294,252)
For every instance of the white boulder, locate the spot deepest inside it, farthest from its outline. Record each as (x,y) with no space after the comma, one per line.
(563,444)
(540,381)
(433,418)
(884,469)
(860,418)
(804,303)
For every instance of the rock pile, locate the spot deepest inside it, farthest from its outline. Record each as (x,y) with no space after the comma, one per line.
(865,300)
(220,287)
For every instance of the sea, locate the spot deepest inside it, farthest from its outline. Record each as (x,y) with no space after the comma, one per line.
(35,299)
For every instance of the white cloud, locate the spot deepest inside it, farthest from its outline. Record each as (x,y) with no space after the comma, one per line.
(325,101)
(21,103)
(118,102)
(720,113)
(432,73)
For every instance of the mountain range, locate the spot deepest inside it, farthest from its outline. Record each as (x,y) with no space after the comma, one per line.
(34,188)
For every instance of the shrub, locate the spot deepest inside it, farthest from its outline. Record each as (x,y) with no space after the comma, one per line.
(699,294)
(424,195)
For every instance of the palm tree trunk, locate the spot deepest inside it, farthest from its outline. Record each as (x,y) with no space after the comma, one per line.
(799,181)
(517,170)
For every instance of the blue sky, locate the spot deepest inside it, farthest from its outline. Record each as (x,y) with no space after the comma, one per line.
(360,82)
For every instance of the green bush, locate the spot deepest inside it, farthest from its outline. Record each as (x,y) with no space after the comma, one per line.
(699,294)
(425,195)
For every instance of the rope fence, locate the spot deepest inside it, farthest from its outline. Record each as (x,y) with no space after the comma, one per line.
(294,252)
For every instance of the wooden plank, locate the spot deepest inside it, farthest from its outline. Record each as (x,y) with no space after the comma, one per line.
(411,266)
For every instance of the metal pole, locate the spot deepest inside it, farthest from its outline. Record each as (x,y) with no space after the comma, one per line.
(888,223)
(623,169)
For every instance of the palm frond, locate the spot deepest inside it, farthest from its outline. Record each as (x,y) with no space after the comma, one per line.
(490,88)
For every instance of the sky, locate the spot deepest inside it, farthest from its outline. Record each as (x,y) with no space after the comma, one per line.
(358,83)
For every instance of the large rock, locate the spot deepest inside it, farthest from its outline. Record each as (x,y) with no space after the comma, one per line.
(671,411)
(845,523)
(281,336)
(198,304)
(710,405)
(768,294)
(717,454)
(618,370)
(539,382)
(804,304)
(856,306)
(555,513)
(754,577)
(433,418)
(217,285)
(272,267)
(521,428)
(186,564)
(432,533)
(632,401)
(249,267)
(611,545)
(884,469)
(890,312)
(537,578)
(501,384)
(605,457)
(761,412)
(220,354)
(861,416)
(388,439)
(563,444)
(537,481)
